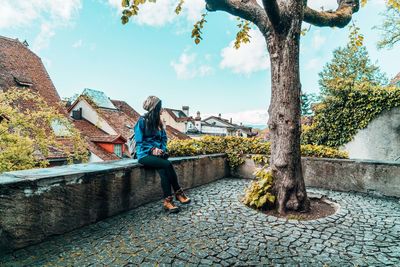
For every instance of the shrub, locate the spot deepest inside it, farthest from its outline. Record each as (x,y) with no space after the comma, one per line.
(236,147)
(259,194)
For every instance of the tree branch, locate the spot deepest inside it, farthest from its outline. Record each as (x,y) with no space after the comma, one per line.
(272,9)
(339,18)
(246,9)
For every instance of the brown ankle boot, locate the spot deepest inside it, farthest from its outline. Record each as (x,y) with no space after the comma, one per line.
(181,197)
(169,205)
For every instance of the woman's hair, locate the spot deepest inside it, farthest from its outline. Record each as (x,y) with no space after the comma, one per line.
(153,120)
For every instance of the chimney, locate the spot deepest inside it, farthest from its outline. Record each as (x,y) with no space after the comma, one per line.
(230,121)
(185,110)
(198,118)
(219,115)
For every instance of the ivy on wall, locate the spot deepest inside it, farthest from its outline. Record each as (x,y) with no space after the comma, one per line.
(338,118)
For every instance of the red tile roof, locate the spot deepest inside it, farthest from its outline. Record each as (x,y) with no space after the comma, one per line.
(181,118)
(173,133)
(20,66)
(128,110)
(108,139)
(118,120)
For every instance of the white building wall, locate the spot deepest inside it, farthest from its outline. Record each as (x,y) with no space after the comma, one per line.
(94,158)
(180,126)
(214,130)
(380,140)
(90,114)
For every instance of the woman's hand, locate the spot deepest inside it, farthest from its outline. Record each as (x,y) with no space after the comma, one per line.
(157,152)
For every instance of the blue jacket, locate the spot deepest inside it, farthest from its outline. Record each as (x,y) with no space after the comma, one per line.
(145,140)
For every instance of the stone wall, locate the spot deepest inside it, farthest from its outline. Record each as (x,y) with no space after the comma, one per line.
(380,140)
(368,176)
(35,204)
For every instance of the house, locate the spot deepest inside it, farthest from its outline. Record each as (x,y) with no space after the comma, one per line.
(196,127)
(178,119)
(21,68)
(106,124)
(228,128)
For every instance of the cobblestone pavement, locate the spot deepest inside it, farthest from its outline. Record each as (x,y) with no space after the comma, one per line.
(217,229)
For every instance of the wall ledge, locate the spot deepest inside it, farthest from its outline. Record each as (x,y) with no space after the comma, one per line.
(38,203)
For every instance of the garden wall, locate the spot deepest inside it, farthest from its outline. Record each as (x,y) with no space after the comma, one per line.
(380,140)
(368,176)
(35,204)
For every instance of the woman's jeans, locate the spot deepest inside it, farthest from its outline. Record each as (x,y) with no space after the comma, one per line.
(166,171)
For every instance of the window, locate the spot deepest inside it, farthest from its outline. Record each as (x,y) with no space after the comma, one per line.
(23,81)
(118,150)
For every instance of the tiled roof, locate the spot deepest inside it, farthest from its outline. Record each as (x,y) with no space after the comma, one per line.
(173,133)
(178,115)
(224,121)
(128,110)
(99,98)
(107,139)
(227,122)
(20,66)
(119,120)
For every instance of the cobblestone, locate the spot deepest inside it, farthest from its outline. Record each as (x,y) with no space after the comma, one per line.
(217,229)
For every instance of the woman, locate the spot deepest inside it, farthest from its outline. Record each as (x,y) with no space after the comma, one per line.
(151,150)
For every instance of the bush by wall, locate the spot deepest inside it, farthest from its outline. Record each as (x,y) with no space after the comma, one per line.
(236,147)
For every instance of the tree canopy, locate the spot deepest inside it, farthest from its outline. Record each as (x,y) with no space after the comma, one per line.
(350,67)
(354,92)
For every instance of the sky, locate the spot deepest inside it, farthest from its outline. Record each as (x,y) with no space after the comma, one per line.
(84,45)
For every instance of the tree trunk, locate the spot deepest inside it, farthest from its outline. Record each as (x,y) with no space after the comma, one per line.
(284,118)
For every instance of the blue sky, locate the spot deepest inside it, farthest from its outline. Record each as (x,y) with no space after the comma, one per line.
(83,44)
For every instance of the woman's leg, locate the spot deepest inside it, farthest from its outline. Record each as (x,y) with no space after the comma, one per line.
(166,171)
(173,177)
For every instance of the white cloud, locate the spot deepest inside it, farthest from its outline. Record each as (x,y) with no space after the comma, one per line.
(21,13)
(193,9)
(314,63)
(186,67)
(318,40)
(43,38)
(163,11)
(250,57)
(77,44)
(324,4)
(49,13)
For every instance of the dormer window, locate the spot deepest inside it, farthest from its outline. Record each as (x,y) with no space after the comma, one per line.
(118,150)
(23,81)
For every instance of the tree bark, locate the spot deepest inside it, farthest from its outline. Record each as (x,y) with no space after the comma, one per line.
(284,118)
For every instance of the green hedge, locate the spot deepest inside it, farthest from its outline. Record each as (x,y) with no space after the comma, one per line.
(236,147)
